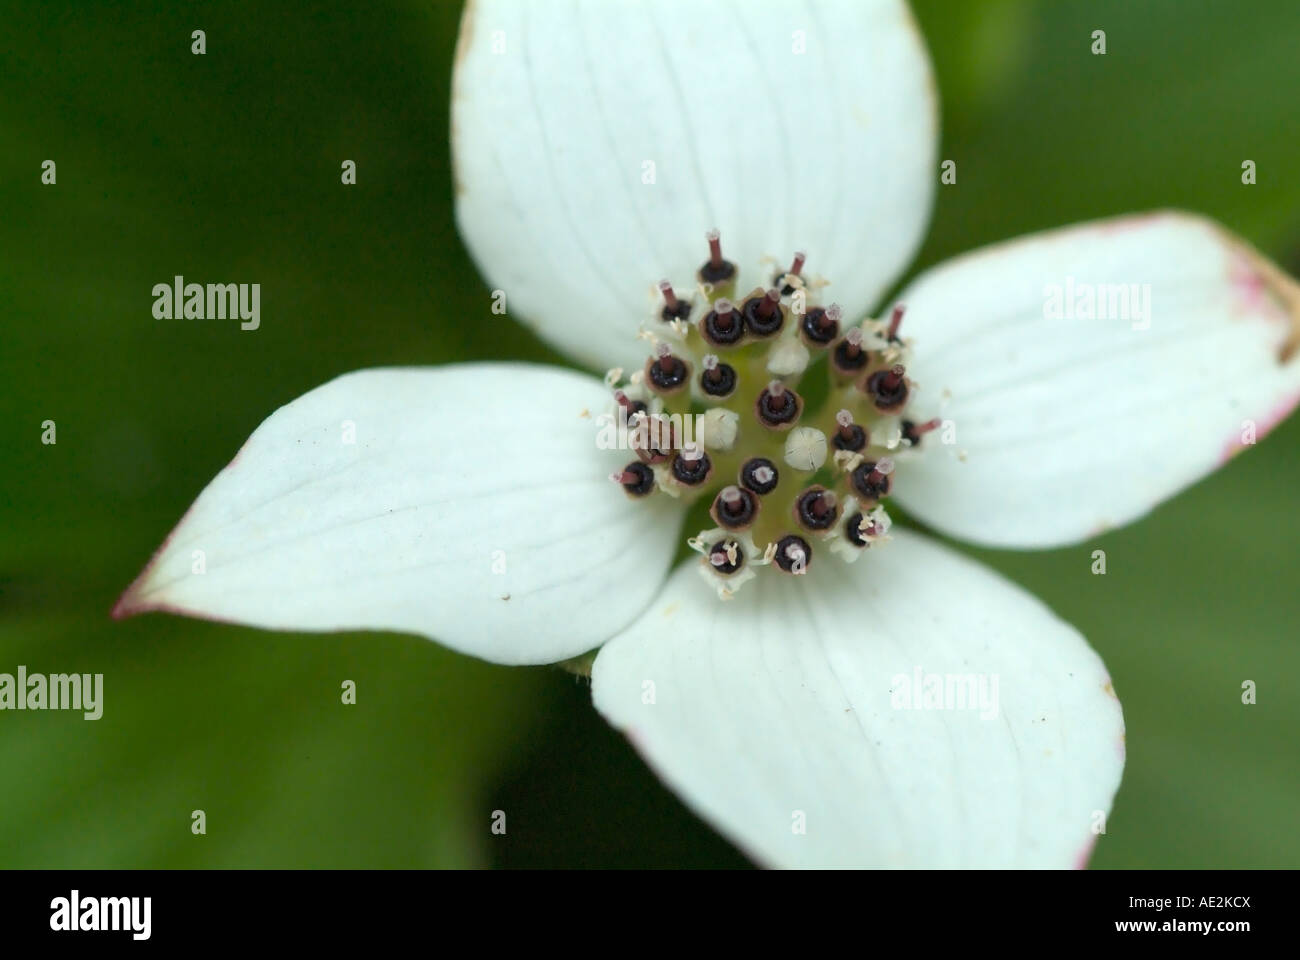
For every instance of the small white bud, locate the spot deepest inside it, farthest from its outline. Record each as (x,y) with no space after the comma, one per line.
(805,448)
(788,358)
(717,428)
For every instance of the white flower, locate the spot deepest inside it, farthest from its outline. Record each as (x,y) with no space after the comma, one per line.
(593,145)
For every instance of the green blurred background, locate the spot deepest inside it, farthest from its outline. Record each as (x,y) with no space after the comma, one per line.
(226,167)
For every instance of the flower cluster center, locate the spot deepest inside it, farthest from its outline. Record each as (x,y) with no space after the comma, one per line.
(717,412)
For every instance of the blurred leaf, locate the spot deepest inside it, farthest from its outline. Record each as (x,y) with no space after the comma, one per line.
(250,727)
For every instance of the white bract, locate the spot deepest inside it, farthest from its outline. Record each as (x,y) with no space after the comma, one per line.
(594,144)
